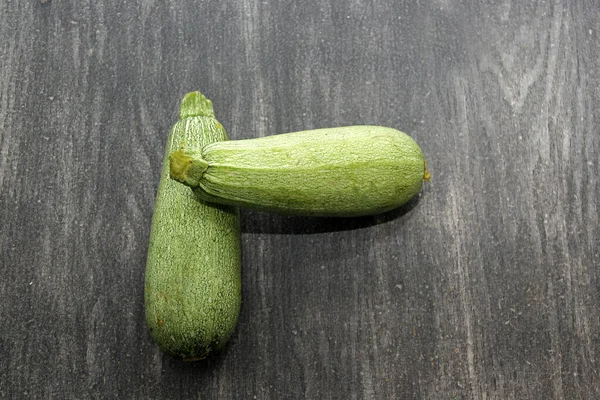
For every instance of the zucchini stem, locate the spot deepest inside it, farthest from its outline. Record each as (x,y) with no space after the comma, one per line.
(187,167)
(194,104)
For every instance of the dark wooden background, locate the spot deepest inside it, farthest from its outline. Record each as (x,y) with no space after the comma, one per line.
(485,287)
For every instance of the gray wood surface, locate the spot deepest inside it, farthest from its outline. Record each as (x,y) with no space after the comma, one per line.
(485,287)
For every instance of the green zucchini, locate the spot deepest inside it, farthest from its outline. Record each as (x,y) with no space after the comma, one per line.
(340,172)
(193,272)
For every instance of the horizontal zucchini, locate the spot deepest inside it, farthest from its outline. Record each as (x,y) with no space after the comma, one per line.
(340,172)
(193,271)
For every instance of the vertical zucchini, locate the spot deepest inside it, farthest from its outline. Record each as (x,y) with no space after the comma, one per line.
(193,272)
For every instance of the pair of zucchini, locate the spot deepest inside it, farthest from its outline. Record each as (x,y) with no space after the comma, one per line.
(193,272)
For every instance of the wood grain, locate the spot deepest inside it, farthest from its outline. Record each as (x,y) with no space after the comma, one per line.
(485,287)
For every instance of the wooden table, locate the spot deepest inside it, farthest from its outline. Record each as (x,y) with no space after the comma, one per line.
(485,287)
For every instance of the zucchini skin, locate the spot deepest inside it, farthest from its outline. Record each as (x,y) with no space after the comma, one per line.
(193,271)
(337,172)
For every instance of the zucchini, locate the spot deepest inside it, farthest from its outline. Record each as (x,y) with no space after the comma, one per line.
(193,272)
(340,172)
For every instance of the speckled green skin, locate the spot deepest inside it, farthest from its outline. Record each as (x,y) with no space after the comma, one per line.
(340,172)
(193,272)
